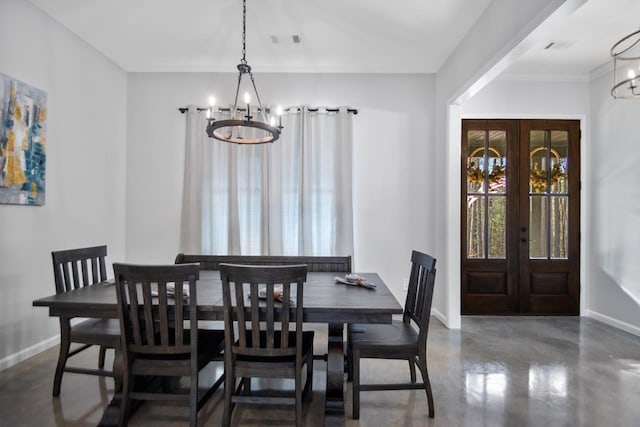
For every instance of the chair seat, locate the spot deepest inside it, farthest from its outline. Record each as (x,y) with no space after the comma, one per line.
(97,331)
(378,337)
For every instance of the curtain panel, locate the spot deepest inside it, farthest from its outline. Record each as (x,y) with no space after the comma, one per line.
(291,197)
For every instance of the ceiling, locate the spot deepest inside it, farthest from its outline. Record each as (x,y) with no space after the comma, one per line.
(336,36)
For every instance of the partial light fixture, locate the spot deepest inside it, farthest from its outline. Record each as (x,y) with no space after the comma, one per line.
(244,129)
(626,67)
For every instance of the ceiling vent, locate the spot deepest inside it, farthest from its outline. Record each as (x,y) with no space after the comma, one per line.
(559,45)
(285,39)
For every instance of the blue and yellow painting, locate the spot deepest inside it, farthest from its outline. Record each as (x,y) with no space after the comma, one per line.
(23,118)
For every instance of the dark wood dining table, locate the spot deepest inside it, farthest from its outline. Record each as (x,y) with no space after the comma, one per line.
(325,301)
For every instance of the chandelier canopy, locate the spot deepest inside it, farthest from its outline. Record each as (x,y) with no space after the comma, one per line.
(626,67)
(239,128)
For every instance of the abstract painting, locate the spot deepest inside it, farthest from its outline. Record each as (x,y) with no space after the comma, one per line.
(23,119)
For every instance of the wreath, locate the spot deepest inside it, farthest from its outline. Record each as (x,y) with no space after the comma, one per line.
(538,178)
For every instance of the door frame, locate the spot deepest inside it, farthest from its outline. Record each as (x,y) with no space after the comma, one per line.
(451,216)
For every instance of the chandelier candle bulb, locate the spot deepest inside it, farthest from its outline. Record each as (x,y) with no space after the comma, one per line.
(279,113)
(247,100)
(212,103)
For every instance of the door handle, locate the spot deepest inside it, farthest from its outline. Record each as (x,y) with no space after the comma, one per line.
(523,240)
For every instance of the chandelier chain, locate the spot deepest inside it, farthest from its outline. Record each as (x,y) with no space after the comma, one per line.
(244,31)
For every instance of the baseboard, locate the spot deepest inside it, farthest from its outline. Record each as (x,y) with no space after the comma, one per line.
(28,352)
(441,317)
(613,322)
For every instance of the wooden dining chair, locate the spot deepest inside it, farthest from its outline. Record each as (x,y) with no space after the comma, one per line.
(158,309)
(263,334)
(404,340)
(73,269)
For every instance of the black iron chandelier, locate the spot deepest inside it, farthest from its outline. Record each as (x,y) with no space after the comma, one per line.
(626,67)
(245,129)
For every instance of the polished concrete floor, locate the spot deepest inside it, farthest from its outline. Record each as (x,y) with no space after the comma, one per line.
(496,371)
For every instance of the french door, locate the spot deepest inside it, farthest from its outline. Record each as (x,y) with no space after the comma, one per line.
(520,228)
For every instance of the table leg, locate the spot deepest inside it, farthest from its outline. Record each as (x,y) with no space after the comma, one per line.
(334,403)
(111,414)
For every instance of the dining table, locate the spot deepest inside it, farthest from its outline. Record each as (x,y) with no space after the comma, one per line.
(325,301)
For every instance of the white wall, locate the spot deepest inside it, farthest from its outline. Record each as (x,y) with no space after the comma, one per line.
(614,270)
(393,165)
(85,177)
(508,98)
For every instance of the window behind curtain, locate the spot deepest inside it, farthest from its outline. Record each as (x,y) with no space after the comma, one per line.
(292,197)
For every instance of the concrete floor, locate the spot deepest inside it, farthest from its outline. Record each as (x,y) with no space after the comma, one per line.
(496,371)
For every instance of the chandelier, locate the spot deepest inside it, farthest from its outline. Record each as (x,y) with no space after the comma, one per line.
(245,129)
(626,67)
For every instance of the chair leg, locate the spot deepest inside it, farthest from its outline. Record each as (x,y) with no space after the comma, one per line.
(101,356)
(127,383)
(308,388)
(65,344)
(422,364)
(298,391)
(412,369)
(349,357)
(193,400)
(245,385)
(355,354)
(229,386)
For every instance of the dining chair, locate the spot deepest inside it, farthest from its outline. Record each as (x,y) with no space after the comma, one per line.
(73,269)
(403,340)
(158,310)
(263,334)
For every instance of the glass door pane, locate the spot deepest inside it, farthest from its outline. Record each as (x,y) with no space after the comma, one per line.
(548,199)
(486,193)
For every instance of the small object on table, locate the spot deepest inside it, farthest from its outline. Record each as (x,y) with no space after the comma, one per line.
(171,291)
(355,280)
(277,293)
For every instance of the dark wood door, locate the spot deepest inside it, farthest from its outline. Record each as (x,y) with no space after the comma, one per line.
(520,224)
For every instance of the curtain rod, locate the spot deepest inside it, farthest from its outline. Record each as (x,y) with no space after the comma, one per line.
(288,110)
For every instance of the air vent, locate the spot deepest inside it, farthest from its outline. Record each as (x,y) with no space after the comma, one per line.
(559,45)
(285,39)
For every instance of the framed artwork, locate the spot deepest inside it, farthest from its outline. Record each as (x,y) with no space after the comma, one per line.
(23,120)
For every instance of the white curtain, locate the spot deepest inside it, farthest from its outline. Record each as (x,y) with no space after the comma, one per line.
(292,197)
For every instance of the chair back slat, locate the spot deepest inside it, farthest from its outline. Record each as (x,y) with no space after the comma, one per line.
(420,292)
(76,273)
(76,268)
(151,316)
(270,324)
(286,314)
(254,291)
